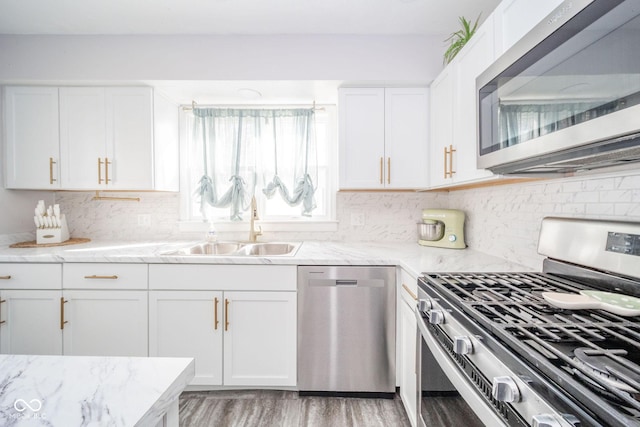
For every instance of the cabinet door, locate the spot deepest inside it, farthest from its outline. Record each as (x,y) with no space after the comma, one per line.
(32,144)
(408,344)
(188,324)
(105,323)
(361,138)
(406,138)
(82,137)
(129,137)
(476,56)
(442,91)
(30,322)
(260,338)
(517,17)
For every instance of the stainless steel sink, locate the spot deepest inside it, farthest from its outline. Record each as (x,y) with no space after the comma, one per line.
(269,249)
(215,248)
(238,249)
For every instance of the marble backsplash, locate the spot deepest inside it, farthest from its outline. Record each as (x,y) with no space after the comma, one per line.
(501,220)
(505,220)
(388,216)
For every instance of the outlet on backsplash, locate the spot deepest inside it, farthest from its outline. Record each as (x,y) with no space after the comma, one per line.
(144,220)
(357,219)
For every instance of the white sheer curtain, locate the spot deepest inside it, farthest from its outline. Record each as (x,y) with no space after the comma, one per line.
(293,161)
(229,138)
(232,142)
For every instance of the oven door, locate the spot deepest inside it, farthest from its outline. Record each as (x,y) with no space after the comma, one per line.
(430,352)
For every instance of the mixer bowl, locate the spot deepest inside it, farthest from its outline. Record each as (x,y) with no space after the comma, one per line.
(431,230)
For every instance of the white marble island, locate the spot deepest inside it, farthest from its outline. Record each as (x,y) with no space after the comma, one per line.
(79,391)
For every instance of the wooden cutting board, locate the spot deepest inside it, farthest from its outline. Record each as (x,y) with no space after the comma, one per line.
(34,244)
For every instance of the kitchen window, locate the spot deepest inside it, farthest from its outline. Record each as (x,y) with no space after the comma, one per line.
(258,152)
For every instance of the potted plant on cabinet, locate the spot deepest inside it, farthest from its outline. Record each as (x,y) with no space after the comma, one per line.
(459,38)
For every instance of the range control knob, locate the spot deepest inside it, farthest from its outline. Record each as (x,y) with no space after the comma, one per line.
(462,345)
(424,305)
(452,237)
(505,390)
(436,317)
(545,420)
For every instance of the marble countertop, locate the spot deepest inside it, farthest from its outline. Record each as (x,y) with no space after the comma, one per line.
(411,256)
(87,391)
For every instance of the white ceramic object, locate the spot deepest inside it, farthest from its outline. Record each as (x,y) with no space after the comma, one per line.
(620,304)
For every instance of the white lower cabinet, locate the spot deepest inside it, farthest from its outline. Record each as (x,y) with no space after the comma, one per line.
(260,338)
(105,323)
(188,324)
(237,322)
(30,308)
(105,309)
(407,342)
(29,322)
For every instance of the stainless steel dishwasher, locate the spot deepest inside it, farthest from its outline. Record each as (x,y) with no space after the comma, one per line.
(346,330)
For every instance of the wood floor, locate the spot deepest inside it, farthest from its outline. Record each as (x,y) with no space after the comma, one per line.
(259,408)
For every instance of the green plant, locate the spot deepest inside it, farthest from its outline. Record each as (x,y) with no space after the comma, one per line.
(460,38)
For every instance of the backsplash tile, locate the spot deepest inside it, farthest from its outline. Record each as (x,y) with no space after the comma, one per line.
(505,220)
(389,216)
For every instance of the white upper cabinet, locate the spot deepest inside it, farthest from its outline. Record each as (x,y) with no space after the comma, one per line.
(106,138)
(31,137)
(514,18)
(383,138)
(91,138)
(453,112)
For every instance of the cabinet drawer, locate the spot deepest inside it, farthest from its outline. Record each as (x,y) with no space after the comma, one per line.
(223,277)
(105,276)
(30,276)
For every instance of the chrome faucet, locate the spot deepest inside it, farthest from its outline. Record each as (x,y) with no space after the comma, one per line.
(253,233)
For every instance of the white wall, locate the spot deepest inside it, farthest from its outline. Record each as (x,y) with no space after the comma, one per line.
(131,58)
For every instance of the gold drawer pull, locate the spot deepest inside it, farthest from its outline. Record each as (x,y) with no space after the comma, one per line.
(410,292)
(5,277)
(388,170)
(62,321)
(101,277)
(1,301)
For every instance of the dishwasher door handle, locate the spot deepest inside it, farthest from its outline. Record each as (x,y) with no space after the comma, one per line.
(346,283)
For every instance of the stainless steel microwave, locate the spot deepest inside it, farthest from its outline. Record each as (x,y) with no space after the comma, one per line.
(566,97)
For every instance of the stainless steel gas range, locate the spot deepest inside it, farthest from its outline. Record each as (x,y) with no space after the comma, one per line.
(557,348)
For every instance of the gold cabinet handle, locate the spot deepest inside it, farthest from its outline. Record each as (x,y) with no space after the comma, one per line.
(2,301)
(226,314)
(381,172)
(5,277)
(51,163)
(95,276)
(388,170)
(215,314)
(409,291)
(106,170)
(62,321)
(451,151)
(445,162)
(99,170)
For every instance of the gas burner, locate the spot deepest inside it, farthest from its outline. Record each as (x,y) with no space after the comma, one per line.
(602,364)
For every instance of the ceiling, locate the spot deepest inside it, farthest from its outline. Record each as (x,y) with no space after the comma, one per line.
(234,17)
(240,17)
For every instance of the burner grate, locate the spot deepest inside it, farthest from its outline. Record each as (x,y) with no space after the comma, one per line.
(511,306)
